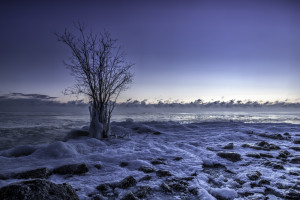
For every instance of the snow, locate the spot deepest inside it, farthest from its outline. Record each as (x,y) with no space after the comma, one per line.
(196,143)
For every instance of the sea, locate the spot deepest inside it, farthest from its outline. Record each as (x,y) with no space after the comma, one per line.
(29,128)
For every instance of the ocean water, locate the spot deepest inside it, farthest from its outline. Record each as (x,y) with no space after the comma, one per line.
(26,128)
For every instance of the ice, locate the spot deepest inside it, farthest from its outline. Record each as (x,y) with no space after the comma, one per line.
(224,193)
(56,150)
(196,143)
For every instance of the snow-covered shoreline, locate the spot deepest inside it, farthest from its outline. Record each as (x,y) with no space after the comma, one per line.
(192,154)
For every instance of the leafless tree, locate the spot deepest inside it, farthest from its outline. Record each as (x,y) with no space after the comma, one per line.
(101,73)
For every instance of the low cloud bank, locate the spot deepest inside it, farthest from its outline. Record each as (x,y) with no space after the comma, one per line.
(212,104)
(41,102)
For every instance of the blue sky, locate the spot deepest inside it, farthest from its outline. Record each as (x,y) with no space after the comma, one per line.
(182,50)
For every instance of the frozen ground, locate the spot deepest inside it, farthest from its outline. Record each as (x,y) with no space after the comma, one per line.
(182,161)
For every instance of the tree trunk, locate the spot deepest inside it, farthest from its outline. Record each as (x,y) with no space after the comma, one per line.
(96,127)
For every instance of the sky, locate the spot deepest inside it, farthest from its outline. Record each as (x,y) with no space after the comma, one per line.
(182,50)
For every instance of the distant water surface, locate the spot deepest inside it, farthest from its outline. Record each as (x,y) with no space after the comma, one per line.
(22,128)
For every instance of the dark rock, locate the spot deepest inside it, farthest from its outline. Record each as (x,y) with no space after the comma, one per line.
(286,134)
(297,141)
(254,175)
(76,134)
(142,191)
(228,146)
(38,189)
(264,182)
(178,158)
(97,197)
(158,161)
(292,194)
(294,173)
(146,178)
(103,187)
(232,156)
(157,133)
(295,148)
(129,196)
(273,165)
(24,150)
(273,136)
(281,186)
(124,164)
(273,192)
(194,174)
(213,165)
(3,177)
(42,173)
(266,155)
(127,182)
(98,166)
(246,145)
(71,169)
(166,187)
(194,191)
(266,146)
(295,160)
(161,173)
(177,184)
(253,155)
(283,154)
(146,169)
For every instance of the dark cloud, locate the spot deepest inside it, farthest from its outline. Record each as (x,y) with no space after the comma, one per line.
(32,96)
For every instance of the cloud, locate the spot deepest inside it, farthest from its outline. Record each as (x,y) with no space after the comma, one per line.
(199,103)
(36,102)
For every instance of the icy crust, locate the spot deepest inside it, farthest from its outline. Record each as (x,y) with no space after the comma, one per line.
(169,160)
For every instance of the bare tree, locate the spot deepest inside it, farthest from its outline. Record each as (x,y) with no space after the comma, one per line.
(101,73)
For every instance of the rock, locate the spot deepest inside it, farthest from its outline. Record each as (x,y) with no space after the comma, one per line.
(269,190)
(253,155)
(98,166)
(286,134)
(213,165)
(142,191)
(295,160)
(232,156)
(38,189)
(157,133)
(273,165)
(228,146)
(124,164)
(129,196)
(283,154)
(146,178)
(127,182)
(3,177)
(158,161)
(264,182)
(42,173)
(263,145)
(266,155)
(162,173)
(177,184)
(71,169)
(254,175)
(103,187)
(194,191)
(292,194)
(166,187)
(178,158)
(295,148)
(294,173)
(76,134)
(146,169)
(273,136)
(297,141)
